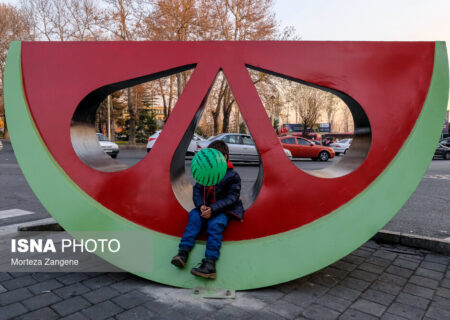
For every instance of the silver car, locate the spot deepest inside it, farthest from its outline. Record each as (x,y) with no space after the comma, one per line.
(242,147)
(109,147)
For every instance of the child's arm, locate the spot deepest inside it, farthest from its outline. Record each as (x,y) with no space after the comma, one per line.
(232,196)
(198,196)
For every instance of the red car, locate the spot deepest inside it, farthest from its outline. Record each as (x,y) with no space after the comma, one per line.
(304,148)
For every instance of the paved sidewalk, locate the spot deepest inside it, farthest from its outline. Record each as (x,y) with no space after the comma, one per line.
(375,281)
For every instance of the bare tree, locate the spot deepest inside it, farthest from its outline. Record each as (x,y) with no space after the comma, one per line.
(13,26)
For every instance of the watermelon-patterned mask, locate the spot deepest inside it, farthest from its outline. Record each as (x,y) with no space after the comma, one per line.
(208,167)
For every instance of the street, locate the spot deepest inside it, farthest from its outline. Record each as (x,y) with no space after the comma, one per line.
(426,213)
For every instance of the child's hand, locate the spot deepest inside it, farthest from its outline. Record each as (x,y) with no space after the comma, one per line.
(203,208)
(206,213)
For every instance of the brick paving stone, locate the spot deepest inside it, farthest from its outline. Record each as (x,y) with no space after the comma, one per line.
(44,286)
(262,315)
(369,307)
(75,316)
(362,253)
(307,294)
(129,284)
(418,291)
(355,284)
(424,282)
(102,310)
(14,296)
(318,312)
(335,273)
(71,305)
(286,287)
(378,297)
(40,301)
(442,259)
(173,314)
(390,316)
(44,276)
(399,271)
(12,310)
(433,266)
(230,312)
(378,261)
(386,287)
(391,278)
(323,279)
(72,278)
(370,267)
(71,290)
(101,294)
(429,274)
(412,300)
(268,295)
(353,259)
(346,266)
(445,283)
(443,292)
(406,311)
(2,289)
(119,276)
(353,314)
(399,262)
(4,276)
(19,274)
(437,313)
(158,306)
(363,275)
(41,314)
(137,313)
(130,299)
(385,254)
(371,245)
(334,303)
(98,282)
(346,293)
(19,282)
(285,309)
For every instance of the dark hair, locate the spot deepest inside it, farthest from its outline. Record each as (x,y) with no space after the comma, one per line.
(220,146)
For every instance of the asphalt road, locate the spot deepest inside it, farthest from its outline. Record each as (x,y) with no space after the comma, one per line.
(426,213)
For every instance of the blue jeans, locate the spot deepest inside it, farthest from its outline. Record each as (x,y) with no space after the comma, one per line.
(214,228)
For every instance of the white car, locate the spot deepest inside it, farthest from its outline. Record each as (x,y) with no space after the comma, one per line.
(109,147)
(192,145)
(341,146)
(241,146)
(1,145)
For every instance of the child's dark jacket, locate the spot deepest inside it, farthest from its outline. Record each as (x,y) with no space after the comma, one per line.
(226,195)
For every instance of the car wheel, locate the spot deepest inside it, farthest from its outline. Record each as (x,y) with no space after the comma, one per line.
(324,156)
(345,151)
(447,156)
(114,156)
(148,149)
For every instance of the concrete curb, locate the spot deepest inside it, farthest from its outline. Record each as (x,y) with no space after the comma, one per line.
(415,241)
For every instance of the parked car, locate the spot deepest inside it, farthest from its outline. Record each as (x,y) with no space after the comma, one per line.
(443,149)
(242,147)
(1,145)
(192,145)
(109,147)
(304,148)
(341,146)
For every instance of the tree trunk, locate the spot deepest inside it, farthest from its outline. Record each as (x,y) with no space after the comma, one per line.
(132,113)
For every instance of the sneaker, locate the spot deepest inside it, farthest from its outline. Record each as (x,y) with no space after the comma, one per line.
(207,269)
(180,259)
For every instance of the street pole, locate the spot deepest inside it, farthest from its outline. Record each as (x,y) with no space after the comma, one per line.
(109,117)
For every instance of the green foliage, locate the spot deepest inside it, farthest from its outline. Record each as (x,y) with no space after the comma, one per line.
(146,125)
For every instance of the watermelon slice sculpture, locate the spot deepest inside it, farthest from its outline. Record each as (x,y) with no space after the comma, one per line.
(397,93)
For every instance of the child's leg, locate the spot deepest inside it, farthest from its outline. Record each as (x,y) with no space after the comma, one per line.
(216,225)
(192,230)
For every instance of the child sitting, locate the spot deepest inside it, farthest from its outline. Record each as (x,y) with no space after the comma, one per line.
(214,207)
